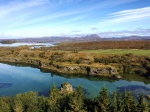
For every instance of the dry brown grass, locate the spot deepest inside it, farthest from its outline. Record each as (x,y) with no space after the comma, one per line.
(103,45)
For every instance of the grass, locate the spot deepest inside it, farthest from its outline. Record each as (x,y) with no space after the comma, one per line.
(120,51)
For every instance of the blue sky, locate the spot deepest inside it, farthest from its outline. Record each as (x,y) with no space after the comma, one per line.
(108,18)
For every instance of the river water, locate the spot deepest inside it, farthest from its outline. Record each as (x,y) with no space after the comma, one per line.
(16,79)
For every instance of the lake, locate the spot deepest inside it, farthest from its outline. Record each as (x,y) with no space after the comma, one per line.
(27,44)
(15,79)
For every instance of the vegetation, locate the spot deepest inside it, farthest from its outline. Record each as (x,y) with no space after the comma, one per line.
(108,62)
(105,58)
(74,102)
(120,51)
(96,45)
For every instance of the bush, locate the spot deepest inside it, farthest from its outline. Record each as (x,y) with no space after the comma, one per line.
(140,71)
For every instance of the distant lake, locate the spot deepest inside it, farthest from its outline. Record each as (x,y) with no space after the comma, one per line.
(28,44)
(15,79)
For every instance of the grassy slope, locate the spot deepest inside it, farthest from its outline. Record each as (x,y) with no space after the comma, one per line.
(120,51)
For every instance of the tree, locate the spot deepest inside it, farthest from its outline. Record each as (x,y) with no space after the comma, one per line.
(29,101)
(90,105)
(103,102)
(119,101)
(128,103)
(142,104)
(53,100)
(114,102)
(76,102)
(5,104)
(18,106)
(132,104)
(42,104)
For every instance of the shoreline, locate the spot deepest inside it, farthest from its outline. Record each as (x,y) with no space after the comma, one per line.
(75,70)
(86,63)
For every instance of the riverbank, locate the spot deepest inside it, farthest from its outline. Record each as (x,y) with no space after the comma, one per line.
(66,68)
(87,63)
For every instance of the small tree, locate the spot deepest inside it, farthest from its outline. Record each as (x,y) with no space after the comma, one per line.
(76,103)
(53,100)
(18,106)
(142,105)
(29,101)
(42,104)
(128,103)
(132,104)
(5,104)
(103,102)
(119,101)
(114,102)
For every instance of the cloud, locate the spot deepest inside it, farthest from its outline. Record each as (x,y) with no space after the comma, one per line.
(16,5)
(94,29)
(17,12)
(75,31)
(138,32)
(105,4)
(31,16)
(133,16)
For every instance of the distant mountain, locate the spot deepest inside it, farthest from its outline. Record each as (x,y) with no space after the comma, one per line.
(93,37)
(137,38)
(128,38)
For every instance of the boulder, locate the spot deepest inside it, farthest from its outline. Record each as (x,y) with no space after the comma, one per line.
(66,88)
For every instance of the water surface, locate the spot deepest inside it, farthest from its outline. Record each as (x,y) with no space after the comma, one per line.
(27,44)
(14,80)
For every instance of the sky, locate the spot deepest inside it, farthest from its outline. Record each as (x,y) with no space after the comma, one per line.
(107,18)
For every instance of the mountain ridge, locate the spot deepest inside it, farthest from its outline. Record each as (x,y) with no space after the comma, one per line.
(92,37)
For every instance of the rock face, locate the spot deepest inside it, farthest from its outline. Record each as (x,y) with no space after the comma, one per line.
(66,88)
(89,70)
(104,70)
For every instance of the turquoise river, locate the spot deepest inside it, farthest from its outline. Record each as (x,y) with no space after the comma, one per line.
(19,79)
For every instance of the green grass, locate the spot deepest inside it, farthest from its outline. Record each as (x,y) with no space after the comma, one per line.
(120,51)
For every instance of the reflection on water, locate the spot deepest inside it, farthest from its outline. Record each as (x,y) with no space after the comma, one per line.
(14,80)
(135,89)
(5,85)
